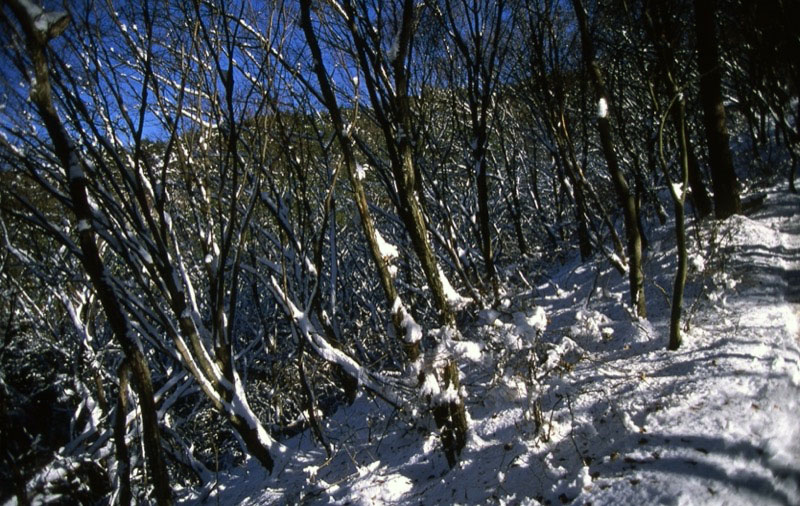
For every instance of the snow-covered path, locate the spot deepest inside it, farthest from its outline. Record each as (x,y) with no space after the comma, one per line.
(719,418)
(595,410)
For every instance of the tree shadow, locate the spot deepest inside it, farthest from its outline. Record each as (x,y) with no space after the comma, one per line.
(697,464)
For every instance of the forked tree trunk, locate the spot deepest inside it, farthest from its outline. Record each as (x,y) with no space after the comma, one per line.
(411,348)
(661,34)
(413,218)
(451,416)
(396,126)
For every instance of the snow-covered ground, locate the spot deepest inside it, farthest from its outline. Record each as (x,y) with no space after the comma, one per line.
(595,409)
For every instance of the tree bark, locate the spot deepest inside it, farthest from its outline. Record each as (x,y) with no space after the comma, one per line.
(451,418)
(678,194)
(394,117)
(700,198)
(515,207)
(662,34)
(367,224)
(626,198)
(723,177)
(37,36)
(120,430)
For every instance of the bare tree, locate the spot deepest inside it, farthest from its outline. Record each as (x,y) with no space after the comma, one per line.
(386,79)
(480,33)
(624,195)
(39,27)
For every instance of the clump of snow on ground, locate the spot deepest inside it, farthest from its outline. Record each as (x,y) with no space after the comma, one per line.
(573,401)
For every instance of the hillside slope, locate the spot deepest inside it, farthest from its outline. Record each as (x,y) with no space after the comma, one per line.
(594,409)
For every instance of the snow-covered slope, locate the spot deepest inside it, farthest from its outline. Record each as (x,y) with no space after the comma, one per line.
(594,409)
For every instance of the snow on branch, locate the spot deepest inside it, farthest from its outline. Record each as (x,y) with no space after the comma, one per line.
(46,25)
(325,350)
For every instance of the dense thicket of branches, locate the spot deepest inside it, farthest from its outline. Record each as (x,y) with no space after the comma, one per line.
(220,220)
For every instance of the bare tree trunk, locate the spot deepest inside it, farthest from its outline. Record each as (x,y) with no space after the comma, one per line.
(385,277)
(394,117)
(483,214)
(411,213)
(723,177)
(700,198)
(661,35)
(578,195)
(678,194)
(38,34)
(120,429)
(451,418)
(482,52)
(515,207)
(626,198)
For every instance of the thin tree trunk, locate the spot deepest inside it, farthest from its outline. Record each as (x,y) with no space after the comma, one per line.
(624,195)
(515,207)
(414,220)
(700,198)
(678,193)
(385,277)
(120,429)
(37,37)
(397,132)
(566,155)
(479,157)
(451,418)
(675,338)
(703,205)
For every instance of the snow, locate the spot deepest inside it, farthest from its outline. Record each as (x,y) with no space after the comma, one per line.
(394,48)
(83,225)
(677,190)
(571,400)
(455,299)
(387,249)
(361,172)
(602,108)
(412,328)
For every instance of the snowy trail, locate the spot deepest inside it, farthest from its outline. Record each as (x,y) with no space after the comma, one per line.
(721,426)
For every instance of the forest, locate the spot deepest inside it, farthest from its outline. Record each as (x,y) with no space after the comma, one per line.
(224,223)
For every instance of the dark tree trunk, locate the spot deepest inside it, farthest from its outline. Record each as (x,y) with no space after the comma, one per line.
(700,198)
(120,429)
(514,207)
(451,418)
(578,194)
(662,31)
(678,193)
(626,198)
(723,177)
(37,37)
(410,209)
(360,196)
(479,157)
